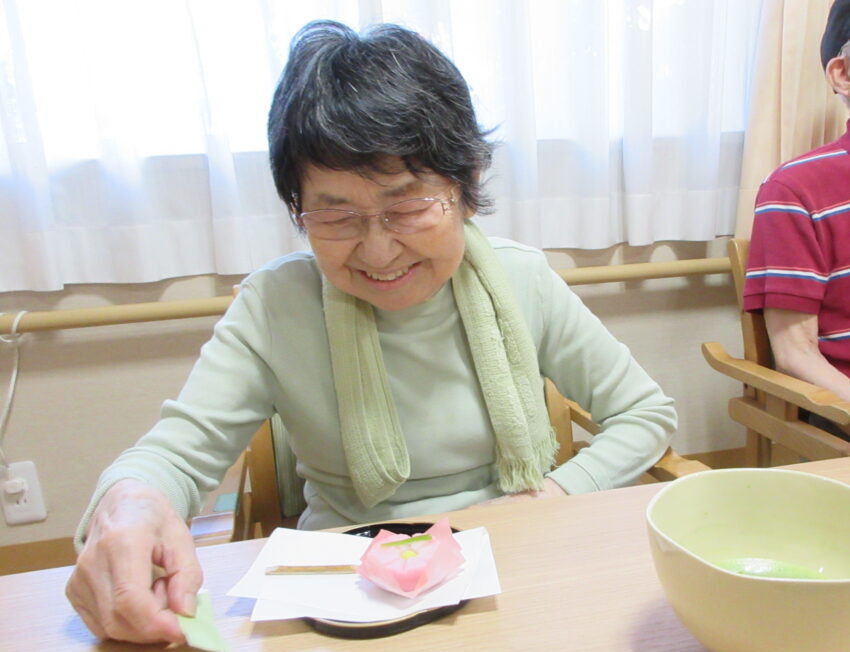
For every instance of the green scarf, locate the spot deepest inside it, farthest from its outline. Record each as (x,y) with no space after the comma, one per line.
(505,361)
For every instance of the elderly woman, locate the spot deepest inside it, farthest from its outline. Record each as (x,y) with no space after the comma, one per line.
(404,354)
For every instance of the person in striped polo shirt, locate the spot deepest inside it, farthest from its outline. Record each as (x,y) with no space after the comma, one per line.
(798,271)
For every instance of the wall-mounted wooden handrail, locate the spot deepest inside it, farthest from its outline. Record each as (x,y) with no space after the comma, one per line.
(161,310)
(645,271)
(119,314)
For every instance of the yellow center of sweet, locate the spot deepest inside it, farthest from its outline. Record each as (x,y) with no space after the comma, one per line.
(407,554)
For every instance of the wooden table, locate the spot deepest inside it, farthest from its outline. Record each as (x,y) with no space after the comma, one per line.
(576,574)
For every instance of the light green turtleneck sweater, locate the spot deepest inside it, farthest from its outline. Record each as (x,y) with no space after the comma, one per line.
(270,353)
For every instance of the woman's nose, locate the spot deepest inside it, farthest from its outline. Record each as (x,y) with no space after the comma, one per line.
(379,246)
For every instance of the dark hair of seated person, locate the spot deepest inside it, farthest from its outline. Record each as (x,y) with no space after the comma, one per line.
(349,101)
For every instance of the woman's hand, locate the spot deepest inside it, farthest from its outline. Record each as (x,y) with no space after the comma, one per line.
(550,489)
(138,568)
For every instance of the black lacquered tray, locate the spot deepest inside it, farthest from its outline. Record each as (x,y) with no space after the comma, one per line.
(379,628)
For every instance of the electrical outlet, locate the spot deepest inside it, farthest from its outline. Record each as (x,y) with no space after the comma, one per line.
(20,493)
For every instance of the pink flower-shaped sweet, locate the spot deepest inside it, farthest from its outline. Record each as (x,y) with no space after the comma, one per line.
(410,565)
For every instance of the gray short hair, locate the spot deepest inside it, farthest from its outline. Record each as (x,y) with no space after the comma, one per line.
(349,101)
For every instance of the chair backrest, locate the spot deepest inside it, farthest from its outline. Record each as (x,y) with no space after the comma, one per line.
(258,508)
(753,330)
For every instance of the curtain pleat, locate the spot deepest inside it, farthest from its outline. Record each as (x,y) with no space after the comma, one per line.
(792,106)
(132,132)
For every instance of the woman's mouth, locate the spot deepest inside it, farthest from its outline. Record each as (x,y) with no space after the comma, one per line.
(388,277)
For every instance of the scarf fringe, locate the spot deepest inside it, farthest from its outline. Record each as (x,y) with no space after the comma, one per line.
(517,475)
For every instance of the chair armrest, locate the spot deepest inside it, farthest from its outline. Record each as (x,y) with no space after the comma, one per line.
(581,417)
(793,390)
(672,466)
(669,467)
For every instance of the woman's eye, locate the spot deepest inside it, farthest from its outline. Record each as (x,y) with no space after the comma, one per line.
(346,219)
(407,212)
(333,218)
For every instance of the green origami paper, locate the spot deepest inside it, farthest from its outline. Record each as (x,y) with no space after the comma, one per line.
(200,631)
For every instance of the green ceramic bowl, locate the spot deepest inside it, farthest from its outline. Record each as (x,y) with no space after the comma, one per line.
(756,559)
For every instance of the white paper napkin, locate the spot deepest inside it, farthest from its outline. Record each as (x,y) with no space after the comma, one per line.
(351,597)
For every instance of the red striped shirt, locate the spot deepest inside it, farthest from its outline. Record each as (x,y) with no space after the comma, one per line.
(800,245)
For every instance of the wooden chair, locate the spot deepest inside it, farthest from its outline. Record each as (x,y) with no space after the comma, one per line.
(563,413)
(771,401)
(259,506)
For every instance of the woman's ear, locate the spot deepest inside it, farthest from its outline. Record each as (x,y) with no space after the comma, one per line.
(839,76)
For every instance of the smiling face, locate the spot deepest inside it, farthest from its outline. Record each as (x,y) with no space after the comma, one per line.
(390,270)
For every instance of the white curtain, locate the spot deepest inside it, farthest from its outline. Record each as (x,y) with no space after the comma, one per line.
(793,107)
(133,131)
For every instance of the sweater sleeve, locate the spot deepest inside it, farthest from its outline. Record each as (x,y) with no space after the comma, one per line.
(786,267)
(201,433)
(591,367)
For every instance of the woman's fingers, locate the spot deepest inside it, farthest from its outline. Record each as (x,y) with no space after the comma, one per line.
(117,597)
(79,596)
(116,587)
(550,489)
(135,615)
(180,564)
(160,591)
(91,622)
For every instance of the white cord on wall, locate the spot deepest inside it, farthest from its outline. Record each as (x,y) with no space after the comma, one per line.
(13,338)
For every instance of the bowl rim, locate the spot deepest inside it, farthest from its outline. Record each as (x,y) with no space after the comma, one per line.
(656,530)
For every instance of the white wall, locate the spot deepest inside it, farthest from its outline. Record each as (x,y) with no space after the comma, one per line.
(84,395)
(664,321)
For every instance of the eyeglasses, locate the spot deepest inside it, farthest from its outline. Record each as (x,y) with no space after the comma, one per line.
(408,216)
